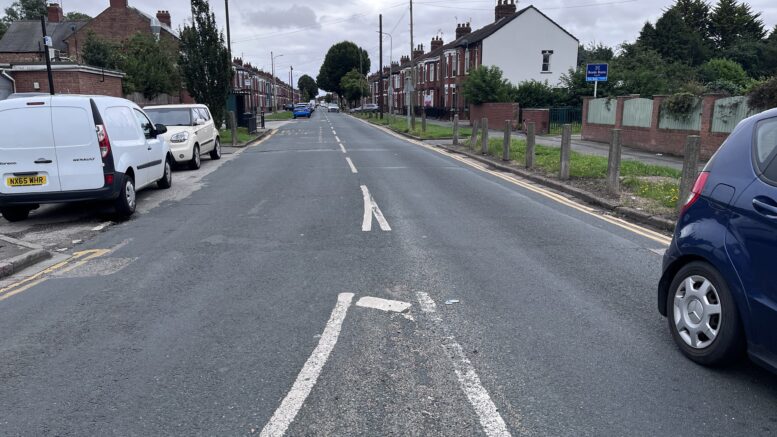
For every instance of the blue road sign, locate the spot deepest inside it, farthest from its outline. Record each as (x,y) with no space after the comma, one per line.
(596,72)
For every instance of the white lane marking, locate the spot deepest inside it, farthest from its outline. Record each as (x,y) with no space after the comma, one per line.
(333,131)
(287,411)
(342,147)
(490,419)
(383,304)
(102,226)
(350,164)
(337,138)
(370,206)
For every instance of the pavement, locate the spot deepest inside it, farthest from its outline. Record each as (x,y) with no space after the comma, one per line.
(336,279)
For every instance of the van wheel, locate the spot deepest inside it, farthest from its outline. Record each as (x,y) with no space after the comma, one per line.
(703,316)
(126,202)
(167,177)
(216,152)
(196,161)
(15,213)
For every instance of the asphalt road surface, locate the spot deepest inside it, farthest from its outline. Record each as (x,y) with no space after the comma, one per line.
(338,280)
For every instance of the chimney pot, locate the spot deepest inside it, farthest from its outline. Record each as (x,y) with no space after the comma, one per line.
(164,18)
(55,14)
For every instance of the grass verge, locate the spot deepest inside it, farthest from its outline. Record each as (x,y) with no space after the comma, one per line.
(279,116)
(433,131)
(242,136)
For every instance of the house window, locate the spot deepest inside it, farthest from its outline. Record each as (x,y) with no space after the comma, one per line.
(431,72)
(546,54)
(466,61)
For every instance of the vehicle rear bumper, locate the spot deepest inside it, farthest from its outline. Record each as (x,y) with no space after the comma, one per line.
(105,193)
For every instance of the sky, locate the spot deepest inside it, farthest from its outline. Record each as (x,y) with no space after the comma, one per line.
(302,31)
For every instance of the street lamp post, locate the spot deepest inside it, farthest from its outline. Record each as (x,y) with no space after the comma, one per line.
(274,86)
(391,71)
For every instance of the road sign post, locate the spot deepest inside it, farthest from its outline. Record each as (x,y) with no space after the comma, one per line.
(596,73)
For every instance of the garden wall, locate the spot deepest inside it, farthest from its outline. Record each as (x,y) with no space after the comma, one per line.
(496,113)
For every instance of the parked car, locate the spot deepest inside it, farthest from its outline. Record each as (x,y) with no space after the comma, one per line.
(190,132)
(719,281)
(333,108)
(370,107)
(288,107)
(71,148)
(302,110)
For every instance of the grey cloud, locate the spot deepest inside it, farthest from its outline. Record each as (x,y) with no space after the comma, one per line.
(275,18)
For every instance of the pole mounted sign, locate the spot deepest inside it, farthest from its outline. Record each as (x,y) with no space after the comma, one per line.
(596,73)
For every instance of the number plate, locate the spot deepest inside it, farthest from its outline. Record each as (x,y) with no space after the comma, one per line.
(25,181)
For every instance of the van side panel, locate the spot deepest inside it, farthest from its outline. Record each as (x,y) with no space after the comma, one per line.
(27,146)
(78,150)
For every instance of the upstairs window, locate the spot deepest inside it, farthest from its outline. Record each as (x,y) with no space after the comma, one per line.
(546,55)
(466,61)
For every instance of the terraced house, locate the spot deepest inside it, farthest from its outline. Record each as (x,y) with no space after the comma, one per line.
(510,42)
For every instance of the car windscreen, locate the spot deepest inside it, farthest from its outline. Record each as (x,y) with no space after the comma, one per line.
(171,116)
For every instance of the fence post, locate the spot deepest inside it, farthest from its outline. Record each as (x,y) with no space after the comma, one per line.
(506,144)
(473,141)
(484,136)
(456,130)
(614,163)
(423,120)
(530,141)
(566,148)
(690,168)
(233,127)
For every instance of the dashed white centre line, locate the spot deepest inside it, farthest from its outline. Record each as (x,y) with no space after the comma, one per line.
(342,147)
(490,419)
(337,138)
(291,404)
(350,164)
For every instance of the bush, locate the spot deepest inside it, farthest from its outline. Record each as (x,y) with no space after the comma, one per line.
(534,94)
(764,95)
(723,70)
(486,85)
(680,105)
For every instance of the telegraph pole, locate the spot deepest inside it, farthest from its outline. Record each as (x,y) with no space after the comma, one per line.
(46,45)
(291,82)
(380,67)
(229,39)
(411,103)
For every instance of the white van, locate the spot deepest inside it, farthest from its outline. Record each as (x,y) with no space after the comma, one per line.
(66,148)
(190,132)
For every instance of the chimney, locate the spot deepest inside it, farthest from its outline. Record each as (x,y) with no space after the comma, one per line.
(120,4)
(463,29)
(418,52)
(164,18)
(436,43)
(504,9)
(55,13)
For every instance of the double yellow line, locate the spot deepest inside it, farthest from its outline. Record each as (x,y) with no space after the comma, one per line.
(631,227)
(76,260)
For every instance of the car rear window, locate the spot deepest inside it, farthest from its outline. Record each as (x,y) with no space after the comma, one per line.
(766,147)
(73,127)
(171,116)
(26,127)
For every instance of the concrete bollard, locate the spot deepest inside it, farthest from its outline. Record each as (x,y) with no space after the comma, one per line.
(690,168)
(233,127)
(530,142)
(566,151)
(423,120)
(614,163)
(456,130)
(473,141)
(484,136)
(507,139)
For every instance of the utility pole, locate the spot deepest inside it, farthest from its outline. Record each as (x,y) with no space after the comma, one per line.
(380,67)
(291,82)
(229,39)
(411,103)
(46,44)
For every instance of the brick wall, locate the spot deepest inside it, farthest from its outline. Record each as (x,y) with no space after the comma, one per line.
(540,117)
(20,58)
(68,82)
(496,113)
(653,139)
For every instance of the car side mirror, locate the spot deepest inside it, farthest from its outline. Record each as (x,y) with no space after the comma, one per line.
(160,129)
(199,122)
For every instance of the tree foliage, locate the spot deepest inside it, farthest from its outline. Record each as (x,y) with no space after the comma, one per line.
(354,86)
(340,60)
(485,84)
(77,16)
(99,52)
(535,94)
(150,66)
(716,70)
(308,88)
(204,61)
(25,10)
(764,95)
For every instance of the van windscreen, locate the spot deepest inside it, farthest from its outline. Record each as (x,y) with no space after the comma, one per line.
(171,116)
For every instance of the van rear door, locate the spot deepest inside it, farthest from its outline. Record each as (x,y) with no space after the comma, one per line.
(78,149)
(28,159)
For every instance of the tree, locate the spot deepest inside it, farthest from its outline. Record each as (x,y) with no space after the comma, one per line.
(594,53)
(77,16)
(764,95)
(732,23)
(486,85)
(328,98)
(150,66)
(25,10)
(354,86)
(204,61)
(696,15)
(723,70)
(307,87)
(100,53)
(674,40)
(340,60)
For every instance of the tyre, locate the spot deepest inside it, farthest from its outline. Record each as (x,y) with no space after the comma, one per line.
(126,202)
(167,177)
(703,316)
(15,213)
(196,160)
(216,152)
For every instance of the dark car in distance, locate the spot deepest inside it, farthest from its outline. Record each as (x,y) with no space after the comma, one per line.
(719,283)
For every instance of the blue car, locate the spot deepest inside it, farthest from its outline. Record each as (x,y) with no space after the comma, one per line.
(302,110)
(719,283)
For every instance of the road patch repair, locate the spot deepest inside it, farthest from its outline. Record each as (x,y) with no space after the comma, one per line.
(16,255)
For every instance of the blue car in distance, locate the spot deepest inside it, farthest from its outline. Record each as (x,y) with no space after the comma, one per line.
(302,110)
(718,289)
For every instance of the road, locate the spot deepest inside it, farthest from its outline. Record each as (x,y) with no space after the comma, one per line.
(338,280)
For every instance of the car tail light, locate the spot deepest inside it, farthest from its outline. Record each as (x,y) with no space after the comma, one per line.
(105,142)
(698,187)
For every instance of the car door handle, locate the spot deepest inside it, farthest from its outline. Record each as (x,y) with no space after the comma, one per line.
(765,208)
(43,161)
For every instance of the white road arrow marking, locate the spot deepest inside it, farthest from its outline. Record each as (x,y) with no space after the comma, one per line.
(383,304)
(371,209)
